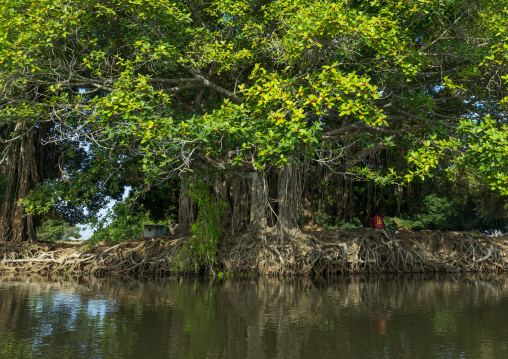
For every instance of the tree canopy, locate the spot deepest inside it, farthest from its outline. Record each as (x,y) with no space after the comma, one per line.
(153,89)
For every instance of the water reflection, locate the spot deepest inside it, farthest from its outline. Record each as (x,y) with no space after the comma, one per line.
(418,316)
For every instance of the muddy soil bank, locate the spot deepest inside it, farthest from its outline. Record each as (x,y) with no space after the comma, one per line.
(311,251)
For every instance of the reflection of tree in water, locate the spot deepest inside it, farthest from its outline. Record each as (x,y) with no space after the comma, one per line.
(12,307)
(257,318)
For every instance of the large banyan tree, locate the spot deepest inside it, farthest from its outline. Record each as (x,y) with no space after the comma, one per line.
(258,100)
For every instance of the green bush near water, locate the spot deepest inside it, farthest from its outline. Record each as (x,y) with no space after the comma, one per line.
(202,247)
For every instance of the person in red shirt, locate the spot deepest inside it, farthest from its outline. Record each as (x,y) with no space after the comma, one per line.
(378,221)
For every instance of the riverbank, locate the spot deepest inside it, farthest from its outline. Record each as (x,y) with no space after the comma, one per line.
(311,251)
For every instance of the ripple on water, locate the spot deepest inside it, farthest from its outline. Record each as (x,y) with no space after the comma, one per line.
(355,317)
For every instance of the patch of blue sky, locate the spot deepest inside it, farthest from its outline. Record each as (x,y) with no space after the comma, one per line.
(86,231)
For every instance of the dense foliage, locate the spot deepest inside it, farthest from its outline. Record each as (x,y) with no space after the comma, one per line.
(57,230)
(379,93)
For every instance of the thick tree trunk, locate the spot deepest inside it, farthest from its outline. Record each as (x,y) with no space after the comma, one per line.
(21,173)
(238,195)
(233,191)
(250,201)
(290,190)
(222,188)
(400,192)
(186,209)
(258,201)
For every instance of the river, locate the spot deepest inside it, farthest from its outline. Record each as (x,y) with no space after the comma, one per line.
(407,316)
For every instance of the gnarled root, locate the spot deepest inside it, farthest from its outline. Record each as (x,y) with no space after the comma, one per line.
(152,256)
(368,251)
(343,251)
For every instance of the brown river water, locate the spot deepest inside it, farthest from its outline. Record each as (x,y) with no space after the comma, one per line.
(408,316)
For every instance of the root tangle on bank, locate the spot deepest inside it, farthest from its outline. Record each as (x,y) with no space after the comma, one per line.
(366,251)
(315,253)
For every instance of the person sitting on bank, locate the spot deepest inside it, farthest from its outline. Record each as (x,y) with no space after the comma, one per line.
(378,221)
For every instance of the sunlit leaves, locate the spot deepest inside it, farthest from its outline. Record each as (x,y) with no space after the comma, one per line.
(486,147)
(256,83)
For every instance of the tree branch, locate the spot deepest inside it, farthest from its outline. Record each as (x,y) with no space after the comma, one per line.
(217,88)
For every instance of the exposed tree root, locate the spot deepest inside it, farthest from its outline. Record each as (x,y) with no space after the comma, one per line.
(153,256)
(314,253)
(366,251)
